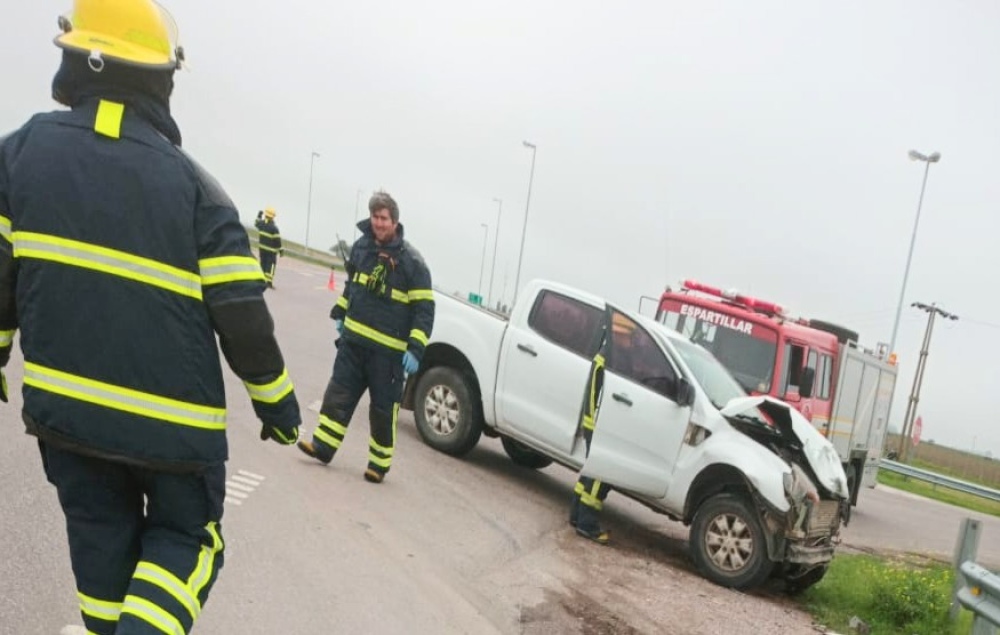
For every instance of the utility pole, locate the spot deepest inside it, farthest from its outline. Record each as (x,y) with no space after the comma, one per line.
(918,377)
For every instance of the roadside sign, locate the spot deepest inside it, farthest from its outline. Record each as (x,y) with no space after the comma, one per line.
(918,427)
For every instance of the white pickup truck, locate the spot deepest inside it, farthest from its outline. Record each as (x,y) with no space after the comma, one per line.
(763,491)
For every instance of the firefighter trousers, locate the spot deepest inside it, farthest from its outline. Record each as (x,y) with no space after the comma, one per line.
(145,546)
(588,499)
(358,368)
(268,264)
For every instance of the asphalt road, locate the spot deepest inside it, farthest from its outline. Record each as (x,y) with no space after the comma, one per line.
(443,546)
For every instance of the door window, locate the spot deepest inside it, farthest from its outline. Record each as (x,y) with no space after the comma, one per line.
(567,322)
(634,354)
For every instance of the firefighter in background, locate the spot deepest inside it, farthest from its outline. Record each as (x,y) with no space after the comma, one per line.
(589,493)
(384,317)
(128,260)
(269,244)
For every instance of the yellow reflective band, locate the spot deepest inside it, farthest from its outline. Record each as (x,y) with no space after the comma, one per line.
(104,260)
(272,392)
(273,250)
(99,609)
(124,399)
(379,461)
(580,488)
(343,302)
(591,501)
(152,615)
(420,294)
(206,561)
(588,422)
(267,235)
(599,360)
(376,336)
(420,336)
(596,488)
(166,581)
(6,338)
(109,119)
(399,296)
(229,269)
(332,425)
(361,278)
(328,439)
(5,228)
(373,445)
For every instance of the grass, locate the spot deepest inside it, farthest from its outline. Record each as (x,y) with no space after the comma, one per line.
(927,490)
(894,597)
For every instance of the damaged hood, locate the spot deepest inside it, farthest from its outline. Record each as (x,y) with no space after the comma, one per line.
(820,453)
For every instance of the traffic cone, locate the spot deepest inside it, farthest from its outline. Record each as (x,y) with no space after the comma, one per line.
(332,283)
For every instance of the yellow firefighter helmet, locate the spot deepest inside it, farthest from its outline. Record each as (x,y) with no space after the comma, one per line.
(134,32)
(269,213)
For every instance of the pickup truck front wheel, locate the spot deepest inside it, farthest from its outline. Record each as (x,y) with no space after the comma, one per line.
(728,543)
(448,417)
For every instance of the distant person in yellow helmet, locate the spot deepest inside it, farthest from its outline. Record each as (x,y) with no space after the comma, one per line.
(129,262)
(269,244)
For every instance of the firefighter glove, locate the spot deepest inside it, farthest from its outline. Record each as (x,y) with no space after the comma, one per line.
(410,363)
(284,437)
(3,387)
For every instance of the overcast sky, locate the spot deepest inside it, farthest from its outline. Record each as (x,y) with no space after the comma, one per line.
(759,145)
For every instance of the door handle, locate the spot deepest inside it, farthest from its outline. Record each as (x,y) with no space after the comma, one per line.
(623,398)
(527,349)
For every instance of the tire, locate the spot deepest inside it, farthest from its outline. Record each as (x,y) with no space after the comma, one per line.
(448,414)
(843,334)
(524,456)
(853,483)
(795,586)
(728,544)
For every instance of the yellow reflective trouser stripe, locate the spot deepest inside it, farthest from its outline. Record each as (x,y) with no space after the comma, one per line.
(109,118)
(166,581)
(124,399)
(6,338)
(588,422)
(327,422)
(379,454)
(376,336)
(343,302)
(327,438)
(5,231)
(590,498)
(109,261)
(420,336)
(272,392)
(229,269)
(99,609)
(421,294)
(152,615)
(206,561)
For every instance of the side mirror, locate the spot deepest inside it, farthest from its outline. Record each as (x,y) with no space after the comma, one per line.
(685,393)
(807,382)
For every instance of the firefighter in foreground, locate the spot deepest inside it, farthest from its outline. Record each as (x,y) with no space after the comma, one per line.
(270,244)
(384,316)
(120,262)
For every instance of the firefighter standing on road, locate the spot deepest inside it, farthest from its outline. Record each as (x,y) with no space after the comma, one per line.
(270,244)
(121,260)
(385,316)
(589,494)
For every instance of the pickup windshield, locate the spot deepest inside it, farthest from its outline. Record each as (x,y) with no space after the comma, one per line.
(715,380)
(746,348)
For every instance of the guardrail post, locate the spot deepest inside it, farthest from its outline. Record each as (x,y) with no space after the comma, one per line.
(965,551)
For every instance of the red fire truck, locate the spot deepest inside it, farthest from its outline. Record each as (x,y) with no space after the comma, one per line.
(815,366)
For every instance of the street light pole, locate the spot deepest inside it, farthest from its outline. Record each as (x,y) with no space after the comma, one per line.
(482,264)
(312,161)
(934,157)
(357,200)
(524,229)
(496,241)
(918,377)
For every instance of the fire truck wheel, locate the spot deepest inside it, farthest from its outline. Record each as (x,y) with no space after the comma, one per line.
(524,456)
(728,544)
(843,335)
(449,418)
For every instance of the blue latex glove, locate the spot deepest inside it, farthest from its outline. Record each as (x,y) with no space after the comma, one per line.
(340,326)
(410,363)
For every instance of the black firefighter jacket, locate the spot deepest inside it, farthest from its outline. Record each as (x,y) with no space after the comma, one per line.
(388,302)
(121,260)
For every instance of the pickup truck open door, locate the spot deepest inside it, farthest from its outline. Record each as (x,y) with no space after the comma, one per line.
(639,426)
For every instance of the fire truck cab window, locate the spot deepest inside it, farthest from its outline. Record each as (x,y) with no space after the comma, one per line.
(825,374)
(634,354)
(567,322)
(794,356)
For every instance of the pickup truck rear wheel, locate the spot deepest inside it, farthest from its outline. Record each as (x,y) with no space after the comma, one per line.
(728,543)
(524,456)
(448,417)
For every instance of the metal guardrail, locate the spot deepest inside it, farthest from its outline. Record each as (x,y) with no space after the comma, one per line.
(981,595)
(940,479)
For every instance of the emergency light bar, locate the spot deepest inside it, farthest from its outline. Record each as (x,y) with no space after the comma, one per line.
(753,304)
